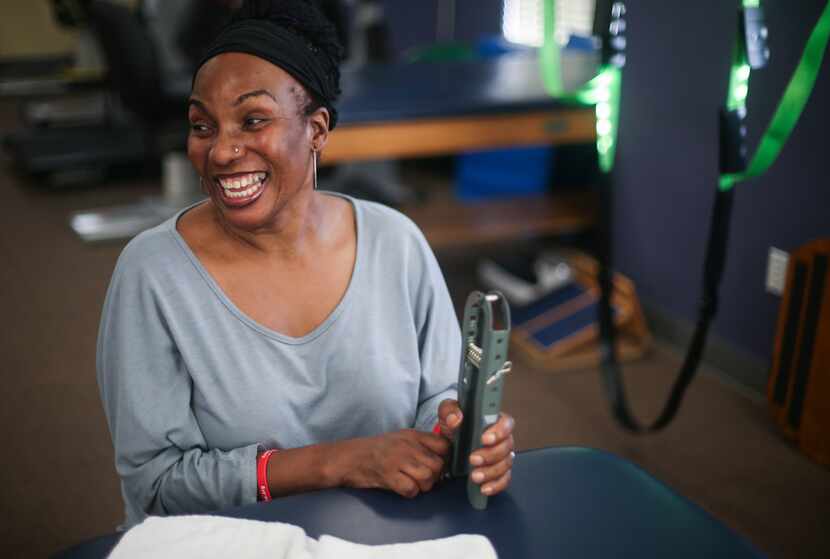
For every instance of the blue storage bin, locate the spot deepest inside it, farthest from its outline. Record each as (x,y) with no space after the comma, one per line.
(504,172)
(508,171)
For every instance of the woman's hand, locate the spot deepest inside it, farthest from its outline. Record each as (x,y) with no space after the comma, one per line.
(492,463)
(407,462)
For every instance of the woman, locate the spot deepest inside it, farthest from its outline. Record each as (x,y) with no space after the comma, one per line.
(275,339)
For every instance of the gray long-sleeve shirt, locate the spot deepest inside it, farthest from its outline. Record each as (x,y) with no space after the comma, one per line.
(192,387)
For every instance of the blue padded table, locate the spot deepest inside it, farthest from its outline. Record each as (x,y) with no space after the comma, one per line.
(562,502)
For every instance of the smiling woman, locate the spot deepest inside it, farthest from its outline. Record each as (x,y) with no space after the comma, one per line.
(275,339)
(247,120)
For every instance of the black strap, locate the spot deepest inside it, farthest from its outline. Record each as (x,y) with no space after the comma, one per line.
(713,271)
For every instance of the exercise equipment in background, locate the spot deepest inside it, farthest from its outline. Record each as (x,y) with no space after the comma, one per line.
(73,130)
(558,330)
(750,51)
(799,382)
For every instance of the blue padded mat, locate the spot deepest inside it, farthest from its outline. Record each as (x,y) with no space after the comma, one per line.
(521,315)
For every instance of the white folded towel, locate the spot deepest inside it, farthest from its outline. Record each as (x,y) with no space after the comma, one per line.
(462,546)
(204,537)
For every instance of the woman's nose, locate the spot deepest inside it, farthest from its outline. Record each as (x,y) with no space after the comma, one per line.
(226,150)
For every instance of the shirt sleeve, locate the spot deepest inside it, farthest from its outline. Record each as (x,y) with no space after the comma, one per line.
(439,338)
(160,452)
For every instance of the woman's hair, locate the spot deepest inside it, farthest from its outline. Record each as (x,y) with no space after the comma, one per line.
(305,19)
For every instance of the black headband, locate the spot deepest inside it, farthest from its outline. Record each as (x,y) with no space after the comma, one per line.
(284,48)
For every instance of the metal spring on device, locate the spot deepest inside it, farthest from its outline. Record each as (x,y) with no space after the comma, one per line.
(474,356)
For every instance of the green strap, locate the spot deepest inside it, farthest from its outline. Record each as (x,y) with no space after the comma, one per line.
(603,91)
(549,55)
(791,105)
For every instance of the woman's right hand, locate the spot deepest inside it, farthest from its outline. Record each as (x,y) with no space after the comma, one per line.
(407,462)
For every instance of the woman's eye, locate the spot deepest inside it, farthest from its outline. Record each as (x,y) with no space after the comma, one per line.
(198,128)
(253,122)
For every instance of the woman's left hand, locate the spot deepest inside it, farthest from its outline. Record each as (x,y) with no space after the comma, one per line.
(492,463)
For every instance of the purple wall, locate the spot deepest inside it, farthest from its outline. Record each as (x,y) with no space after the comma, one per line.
(413,24)
(676,77)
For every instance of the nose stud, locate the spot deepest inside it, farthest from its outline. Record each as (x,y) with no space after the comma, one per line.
(236,149)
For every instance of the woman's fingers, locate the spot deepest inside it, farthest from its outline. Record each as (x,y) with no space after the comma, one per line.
(498,485)
(493,462)
(499,431)
(497,441)
(449,417)
(447,407)
(492,471)
(434,463)
(403,485)
(436,444)
(492,454)
(423,476)
(417,457)
(413,461)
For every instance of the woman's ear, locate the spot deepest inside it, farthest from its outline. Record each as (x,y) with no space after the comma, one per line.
(319,122)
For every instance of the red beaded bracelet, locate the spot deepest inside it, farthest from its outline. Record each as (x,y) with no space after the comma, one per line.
(263,491)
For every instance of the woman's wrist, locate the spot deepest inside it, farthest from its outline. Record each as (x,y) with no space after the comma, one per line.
(336,462)
(309,468)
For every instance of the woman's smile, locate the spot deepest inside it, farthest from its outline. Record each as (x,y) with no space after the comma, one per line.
(241,189)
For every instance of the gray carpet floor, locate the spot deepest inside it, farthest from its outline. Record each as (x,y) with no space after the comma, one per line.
(57,481)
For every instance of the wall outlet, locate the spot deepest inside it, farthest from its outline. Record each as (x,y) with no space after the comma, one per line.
(777,270)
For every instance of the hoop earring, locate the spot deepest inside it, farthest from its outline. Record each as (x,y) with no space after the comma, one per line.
(314,166)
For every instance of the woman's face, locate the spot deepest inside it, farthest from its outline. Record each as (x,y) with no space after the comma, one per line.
(249,140)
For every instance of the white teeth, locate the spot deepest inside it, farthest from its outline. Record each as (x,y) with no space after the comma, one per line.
(251,183)
(243,193)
